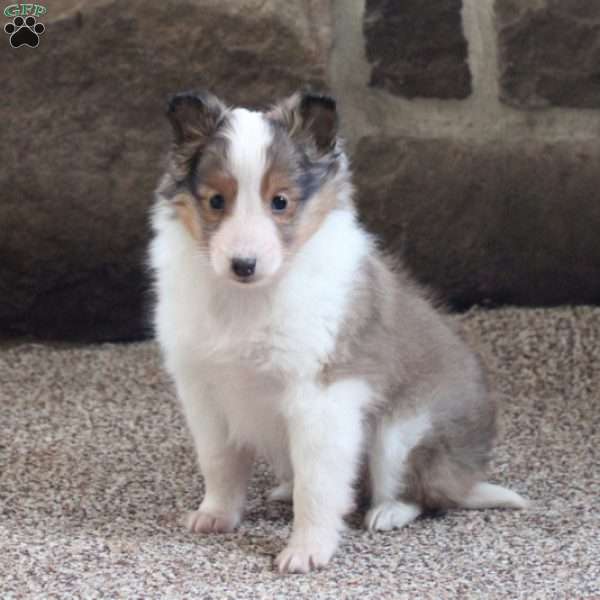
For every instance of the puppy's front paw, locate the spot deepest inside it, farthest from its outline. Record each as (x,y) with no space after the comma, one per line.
(202,521)
(391,515)
(306,554)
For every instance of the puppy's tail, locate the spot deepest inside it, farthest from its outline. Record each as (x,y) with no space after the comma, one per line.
(489,495)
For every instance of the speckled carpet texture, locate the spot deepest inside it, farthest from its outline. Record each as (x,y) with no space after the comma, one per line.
(96,467)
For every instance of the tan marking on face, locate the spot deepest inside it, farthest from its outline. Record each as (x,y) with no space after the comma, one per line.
(276,181)
(314,214)
(196,214)
(186,211)
(217,183)
(223,183)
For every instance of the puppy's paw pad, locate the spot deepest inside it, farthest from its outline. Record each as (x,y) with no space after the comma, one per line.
(282,493)
(200,521)
(391,515)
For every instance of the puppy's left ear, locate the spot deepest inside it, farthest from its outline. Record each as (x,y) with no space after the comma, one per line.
(319,115)
(310,114)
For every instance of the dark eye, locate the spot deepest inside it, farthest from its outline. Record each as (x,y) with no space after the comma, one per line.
(217,202)
(279,203)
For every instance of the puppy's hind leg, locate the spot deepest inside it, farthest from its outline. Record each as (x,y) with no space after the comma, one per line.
(392,442)
(281,464)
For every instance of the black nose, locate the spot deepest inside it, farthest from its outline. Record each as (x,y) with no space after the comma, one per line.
(243,267)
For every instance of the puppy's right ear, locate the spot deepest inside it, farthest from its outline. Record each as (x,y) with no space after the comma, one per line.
(194,116)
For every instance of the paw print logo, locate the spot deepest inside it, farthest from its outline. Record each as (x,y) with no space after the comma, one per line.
(24,32)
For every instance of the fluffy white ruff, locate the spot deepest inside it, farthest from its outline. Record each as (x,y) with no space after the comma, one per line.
(246,363)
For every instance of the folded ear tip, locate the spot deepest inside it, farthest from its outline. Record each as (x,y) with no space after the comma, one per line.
(194,115)
(311,98)
(176,100)
(172,103)
(328,101)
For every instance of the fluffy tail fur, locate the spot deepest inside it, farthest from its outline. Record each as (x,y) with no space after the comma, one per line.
(489,495)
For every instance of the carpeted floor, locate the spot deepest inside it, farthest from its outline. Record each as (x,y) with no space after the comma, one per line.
(96,467)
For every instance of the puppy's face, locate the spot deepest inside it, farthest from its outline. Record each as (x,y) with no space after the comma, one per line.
(251,187)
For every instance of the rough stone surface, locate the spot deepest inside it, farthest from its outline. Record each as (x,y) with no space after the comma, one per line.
(549,52)
(488,223)
(417,48)
(83,134)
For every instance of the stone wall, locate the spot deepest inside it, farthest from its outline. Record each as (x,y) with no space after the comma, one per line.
(473,127)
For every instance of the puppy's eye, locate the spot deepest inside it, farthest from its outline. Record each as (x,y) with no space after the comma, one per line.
(217,202)
(279,203)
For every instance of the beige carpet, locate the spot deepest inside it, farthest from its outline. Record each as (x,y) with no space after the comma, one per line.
(96,466)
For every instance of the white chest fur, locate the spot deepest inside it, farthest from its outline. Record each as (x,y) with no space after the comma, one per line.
(287,329)
(251,346)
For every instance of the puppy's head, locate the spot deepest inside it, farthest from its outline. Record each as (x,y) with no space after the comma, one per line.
(252,187)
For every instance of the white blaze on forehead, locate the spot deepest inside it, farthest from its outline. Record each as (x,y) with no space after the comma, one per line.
(249,232)
(249,136)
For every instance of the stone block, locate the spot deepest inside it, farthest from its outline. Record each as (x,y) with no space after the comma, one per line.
(549,53)
(495,222)
(417,48)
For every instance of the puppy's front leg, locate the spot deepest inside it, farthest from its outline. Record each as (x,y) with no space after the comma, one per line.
(326,435)
(225,467)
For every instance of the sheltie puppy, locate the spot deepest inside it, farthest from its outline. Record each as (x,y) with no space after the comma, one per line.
(289,336)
